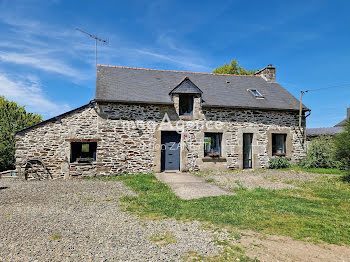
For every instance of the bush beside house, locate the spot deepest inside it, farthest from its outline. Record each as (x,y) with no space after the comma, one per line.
(342,146)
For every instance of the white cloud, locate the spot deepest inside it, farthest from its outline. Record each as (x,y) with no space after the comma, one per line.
(53,49)
(28,91)
(183,61)
(40,62)
(44,47)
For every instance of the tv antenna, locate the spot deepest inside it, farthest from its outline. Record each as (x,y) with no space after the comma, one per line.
(96,39)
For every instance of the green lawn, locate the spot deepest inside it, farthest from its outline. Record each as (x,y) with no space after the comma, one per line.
(318,210)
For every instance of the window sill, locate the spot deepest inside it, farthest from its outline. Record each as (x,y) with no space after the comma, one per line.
(82,164)
(214,159)
(279,154)
(186,117)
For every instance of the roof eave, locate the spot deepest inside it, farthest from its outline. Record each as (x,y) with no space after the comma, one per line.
(203,105)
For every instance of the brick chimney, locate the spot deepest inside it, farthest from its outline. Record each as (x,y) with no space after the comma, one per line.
(268,73)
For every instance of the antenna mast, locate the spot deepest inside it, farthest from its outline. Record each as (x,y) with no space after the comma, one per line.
(96,39)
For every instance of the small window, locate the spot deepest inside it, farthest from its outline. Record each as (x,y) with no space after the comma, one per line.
(185,105)
(83,152)
(212,144)
(256,93)
(279,144)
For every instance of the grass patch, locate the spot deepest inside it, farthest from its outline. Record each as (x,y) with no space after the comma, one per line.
(318,210)
(163,238)
(228,253)
(210,180)
(56,237)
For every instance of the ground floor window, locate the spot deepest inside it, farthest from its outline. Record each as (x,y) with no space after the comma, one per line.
(83,151)
(279,144)
(212,144)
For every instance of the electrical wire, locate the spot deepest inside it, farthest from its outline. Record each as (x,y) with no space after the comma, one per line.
(329,87)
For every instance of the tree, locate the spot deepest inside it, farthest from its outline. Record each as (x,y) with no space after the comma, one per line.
(234,69)
(13,118)
(342,146)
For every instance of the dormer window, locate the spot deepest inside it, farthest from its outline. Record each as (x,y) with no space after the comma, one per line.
(255,93)
(185,93)
(185,105)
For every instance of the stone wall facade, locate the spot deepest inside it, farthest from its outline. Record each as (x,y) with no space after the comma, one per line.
(128,138)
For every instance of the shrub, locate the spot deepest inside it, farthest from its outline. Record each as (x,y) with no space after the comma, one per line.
(320,154)
(342,146)
(279,162)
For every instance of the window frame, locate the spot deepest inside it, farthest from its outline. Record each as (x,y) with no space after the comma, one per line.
(81,155)
(274,145)
(217,153)
(190,101)
(256,93)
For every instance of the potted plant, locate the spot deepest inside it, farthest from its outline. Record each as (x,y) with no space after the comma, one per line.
(214,154)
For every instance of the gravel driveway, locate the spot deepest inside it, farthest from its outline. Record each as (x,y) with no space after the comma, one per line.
(82,220)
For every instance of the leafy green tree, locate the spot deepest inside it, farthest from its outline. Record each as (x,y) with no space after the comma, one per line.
(342,146)
(234,69)
(13,118)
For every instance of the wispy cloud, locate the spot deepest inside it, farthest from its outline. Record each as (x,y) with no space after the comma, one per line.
(183,61)
(46,48)
(28,91)
(41,62)
(43,47)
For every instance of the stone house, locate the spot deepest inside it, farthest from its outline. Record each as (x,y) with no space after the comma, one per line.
(145,120)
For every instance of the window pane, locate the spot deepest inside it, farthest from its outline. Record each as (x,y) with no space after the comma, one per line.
(85,148)
(255,92)
(212,144)
(185,104)
(85,152)
(279,144)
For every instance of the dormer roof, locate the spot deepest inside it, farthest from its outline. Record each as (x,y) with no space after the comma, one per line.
(186,86)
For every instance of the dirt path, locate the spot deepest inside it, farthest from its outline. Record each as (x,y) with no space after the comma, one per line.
(280,248)
(187,186)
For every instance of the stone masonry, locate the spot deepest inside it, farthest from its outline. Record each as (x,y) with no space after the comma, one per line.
(128,138)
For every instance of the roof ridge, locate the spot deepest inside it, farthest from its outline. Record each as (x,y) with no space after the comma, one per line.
(174,71)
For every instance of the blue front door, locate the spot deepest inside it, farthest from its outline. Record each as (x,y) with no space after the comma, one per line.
(170,150)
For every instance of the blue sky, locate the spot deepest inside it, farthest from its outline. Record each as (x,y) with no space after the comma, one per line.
(48,66)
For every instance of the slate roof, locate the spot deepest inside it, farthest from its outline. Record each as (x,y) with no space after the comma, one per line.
(342,123)
(330,131)
(135,85)
(186,86)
